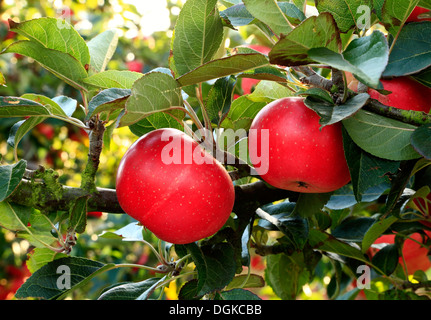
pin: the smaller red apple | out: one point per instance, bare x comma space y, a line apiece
135, 66
415, 255
406, 94
414, 16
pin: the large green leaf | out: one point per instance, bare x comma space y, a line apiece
198, 35
365, 57
375, 231
154, 92
55, 34
57, 278
347, 14
411, 52
314, 32
61, 64
382, 137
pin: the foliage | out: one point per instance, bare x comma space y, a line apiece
276, 244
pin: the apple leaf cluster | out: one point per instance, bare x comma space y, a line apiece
305, 237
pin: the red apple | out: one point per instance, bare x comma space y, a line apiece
95, 214
416, 12
297, 155
173, 187
415, 255
406, 94
135, 66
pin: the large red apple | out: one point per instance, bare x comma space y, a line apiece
415, 255
406, 94
173, 187
416, 12
297, 155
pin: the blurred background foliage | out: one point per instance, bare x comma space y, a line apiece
145, 29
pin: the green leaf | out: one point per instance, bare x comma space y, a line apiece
366, 170
375, 231
270, 13
130, 232
325, 242
55, 34
215, 265
50, 104
78, 215
421, 141
382, 137
267, 91
155, 121
223, 67
38, 233
40, 257
242, 113
292, 49
61, 64
239, 294
330, 113
130, 290
246, 281
345, 197
10, 178
67, 104
108, 100
14, 217
51, 281
219, 99
411, 52
113, 79
347, 14
154, 92
395, 14
353, 229
198, 35
102, 48
365, 57
286, 275
386, 259
11, 107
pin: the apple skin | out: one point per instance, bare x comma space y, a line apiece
406, 94
415, 13
301, 157
179, 203
415, 255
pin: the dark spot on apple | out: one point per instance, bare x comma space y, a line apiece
302, 184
